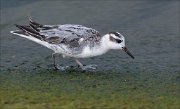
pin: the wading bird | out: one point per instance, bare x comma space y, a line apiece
69, 40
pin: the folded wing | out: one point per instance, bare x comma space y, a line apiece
68, 34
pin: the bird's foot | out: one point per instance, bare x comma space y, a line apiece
91, 66
62, 68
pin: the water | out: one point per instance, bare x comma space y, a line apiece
151, 80
151, 29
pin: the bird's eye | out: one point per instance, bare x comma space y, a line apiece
115, 40
118, 40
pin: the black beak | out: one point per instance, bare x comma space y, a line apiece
126, 50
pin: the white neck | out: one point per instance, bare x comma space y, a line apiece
98, 49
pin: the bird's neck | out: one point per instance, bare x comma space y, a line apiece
103, 43
98, 49
101, 47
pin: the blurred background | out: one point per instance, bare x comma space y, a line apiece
151, 29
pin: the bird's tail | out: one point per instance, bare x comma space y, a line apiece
31, 32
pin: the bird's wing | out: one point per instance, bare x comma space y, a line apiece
67, 34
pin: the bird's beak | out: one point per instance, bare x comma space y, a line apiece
126, 50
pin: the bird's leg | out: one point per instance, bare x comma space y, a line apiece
57, 66
53, 56
79, 63
84, 67
54, 61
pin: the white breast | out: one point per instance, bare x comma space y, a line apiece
90, 52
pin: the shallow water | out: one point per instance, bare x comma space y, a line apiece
150, 81
151, 29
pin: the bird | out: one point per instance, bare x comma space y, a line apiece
72, 40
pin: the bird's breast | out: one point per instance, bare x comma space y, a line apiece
91, 52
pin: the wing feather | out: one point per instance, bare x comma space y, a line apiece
68, 34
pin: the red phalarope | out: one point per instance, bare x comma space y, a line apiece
71, 40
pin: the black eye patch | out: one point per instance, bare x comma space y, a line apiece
118, 41
115, 40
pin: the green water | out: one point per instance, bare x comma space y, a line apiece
150, 81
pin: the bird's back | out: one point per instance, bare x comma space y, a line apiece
68, 38
70, 32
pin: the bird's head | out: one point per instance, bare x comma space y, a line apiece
115, 40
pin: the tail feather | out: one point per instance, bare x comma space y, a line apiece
35, 24
32, 38
30, 31
33, 27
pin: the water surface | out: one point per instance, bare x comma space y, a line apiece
150, 81
151, 29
